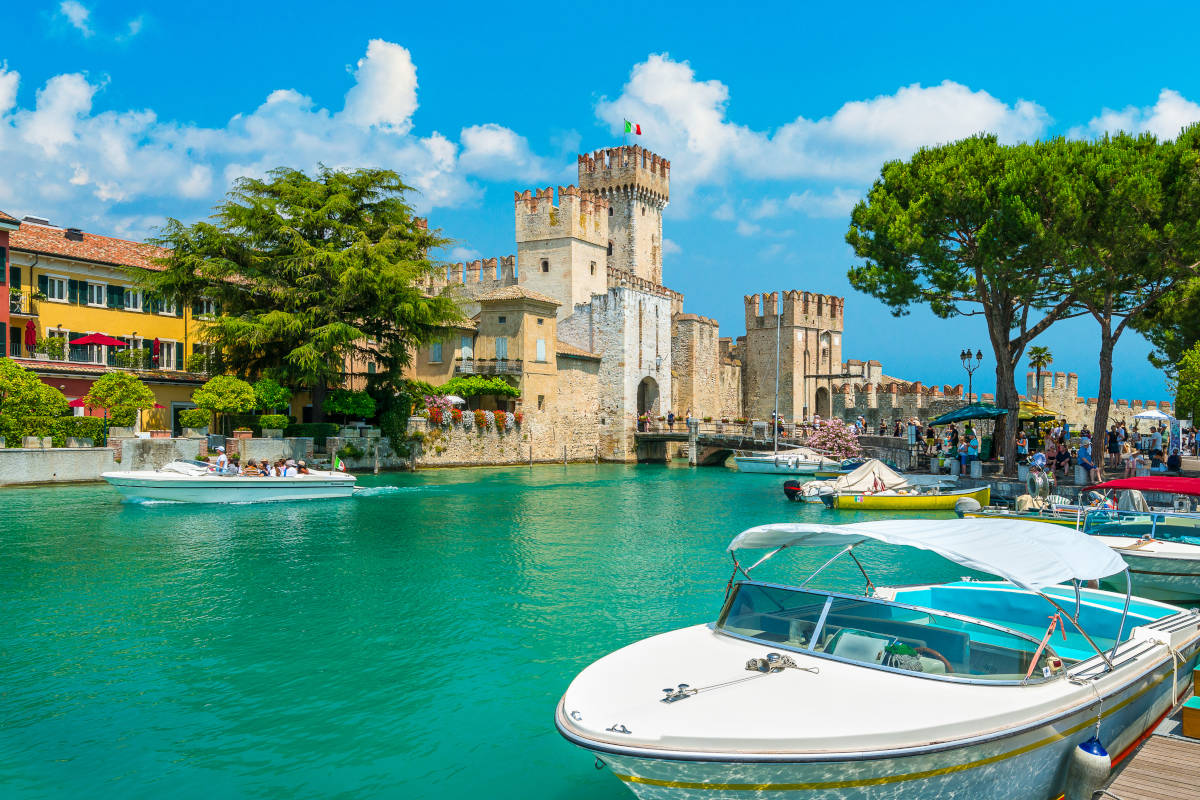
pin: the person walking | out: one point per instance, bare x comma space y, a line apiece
670, 420
1113, 446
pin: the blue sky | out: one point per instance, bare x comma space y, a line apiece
775, 117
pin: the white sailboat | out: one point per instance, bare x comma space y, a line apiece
971, 689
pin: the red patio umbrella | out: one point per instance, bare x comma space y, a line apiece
77, 403
159, 405
100, 339
30, 334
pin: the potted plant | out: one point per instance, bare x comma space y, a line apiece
194, 422
273, 425
242, 433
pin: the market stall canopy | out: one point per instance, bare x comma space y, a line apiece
1035, 412
1154, 415
101, 339
1154, 483
974, 411
1031, 555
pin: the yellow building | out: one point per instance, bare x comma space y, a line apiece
65, 284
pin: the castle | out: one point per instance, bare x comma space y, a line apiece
580, 320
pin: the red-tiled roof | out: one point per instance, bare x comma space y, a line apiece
148, 375
47, 240
571, 351
6, 218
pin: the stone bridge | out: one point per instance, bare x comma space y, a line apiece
708, 443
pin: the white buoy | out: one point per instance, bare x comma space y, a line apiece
1089, 768
966, 505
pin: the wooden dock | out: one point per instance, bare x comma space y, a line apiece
1163, 768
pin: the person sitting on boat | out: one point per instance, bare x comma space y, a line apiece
222, 459
250, 468
1087, 461
289, 469
302, 468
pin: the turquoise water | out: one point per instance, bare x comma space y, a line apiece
412, 642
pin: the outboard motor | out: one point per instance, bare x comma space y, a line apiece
794, 490
1089, 768
966, 505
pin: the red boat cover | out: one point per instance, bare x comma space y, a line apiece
1154, 483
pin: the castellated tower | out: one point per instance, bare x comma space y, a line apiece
810, 354
562, 247
637, 185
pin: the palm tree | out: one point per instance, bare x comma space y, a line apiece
1039, 359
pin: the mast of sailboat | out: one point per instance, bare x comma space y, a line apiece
778, 328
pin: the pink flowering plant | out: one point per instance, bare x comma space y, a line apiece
835, 439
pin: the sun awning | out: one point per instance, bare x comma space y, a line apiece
1154, 483
976, 411
1031, 555
1034, 412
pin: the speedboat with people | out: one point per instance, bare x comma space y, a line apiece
981, 689
199, 482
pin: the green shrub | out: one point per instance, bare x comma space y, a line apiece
277, 421
10, 430
195, 417
350, 404
80, 428
319, 431
122, 417
40, 426
350, 451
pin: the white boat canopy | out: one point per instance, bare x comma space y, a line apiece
1031, 555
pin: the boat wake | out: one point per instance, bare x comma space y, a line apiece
379, 491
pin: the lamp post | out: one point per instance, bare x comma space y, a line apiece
970, 364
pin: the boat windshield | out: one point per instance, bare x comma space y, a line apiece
883, 634
1166, 525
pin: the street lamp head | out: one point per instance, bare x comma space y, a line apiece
964, 355
979, 355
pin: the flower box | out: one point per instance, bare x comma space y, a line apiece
160, 434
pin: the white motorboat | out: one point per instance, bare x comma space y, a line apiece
972, 689
781, 463
198, 482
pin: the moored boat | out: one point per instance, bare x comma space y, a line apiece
783, 462
870, 475
937, 691
197, 482
916, 499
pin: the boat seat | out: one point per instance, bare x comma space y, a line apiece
860, 646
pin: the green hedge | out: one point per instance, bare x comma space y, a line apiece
122, 417
195, 417
319, 431
275, 421
82, 428
57, 428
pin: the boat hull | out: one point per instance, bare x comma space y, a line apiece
1031, 764
906, 502
1173, 580
229, 489
776, 466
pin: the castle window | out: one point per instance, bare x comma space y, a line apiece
643, 211
610, 247
541, 402
540, 320
540, 350
610, 211
593, 267
501, 320
545, 265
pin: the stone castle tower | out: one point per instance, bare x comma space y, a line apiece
636, 183
810, 353
562, 247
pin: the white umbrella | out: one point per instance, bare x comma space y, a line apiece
1153, 414
455, 400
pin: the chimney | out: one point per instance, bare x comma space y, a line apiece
74, 234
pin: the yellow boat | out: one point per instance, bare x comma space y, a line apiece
941, 501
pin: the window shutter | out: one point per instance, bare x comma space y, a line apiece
43, 284
14, 276
178, 308
72, 290
197, 308
3, 261
179, 357
116, 296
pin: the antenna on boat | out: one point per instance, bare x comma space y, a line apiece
778, 331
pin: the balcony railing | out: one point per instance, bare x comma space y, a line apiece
488, 366
22, 303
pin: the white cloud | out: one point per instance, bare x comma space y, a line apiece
385, 89
837, 203
745, 228
72, 162
686, 119
670, 248
78, 15
1171, 112
461, 253
133, 27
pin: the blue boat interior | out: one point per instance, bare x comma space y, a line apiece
981, 630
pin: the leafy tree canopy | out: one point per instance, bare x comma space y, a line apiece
119, 390
225, 394
311, 270
1187, 380
270, 396
350, 404
22, 394
475, 385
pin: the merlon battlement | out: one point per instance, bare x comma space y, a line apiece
696, 318
487, 273
575, 213
585, 201
799, 309
625, 168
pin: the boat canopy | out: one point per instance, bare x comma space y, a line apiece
1031, 555
870, 475
1154, 483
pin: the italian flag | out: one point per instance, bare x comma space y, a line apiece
633, 127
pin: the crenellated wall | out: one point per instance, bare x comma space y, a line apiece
1059, 392
637, 183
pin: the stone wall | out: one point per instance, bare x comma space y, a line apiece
538, 438
1060, 393
467, 281
631, 332
695, 366
150, 454
890, 402
562, 248
637, 185
54, 465
729, 390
